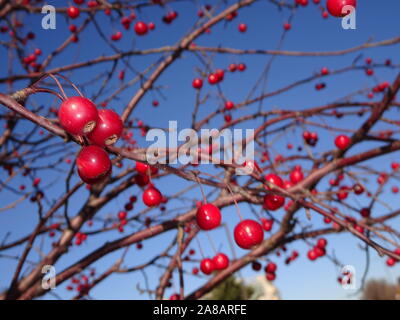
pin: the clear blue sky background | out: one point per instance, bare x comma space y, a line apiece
376, 20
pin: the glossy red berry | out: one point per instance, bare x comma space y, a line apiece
287, 26
335, 7
207, 266
208, 217
267, 224
197, 83
321, 243
248, 233
229, 105
271, 276
73, 12
241, 67
232, 67
358, 189
296, 176
324, 71
242, 27
342, 141
270, 267
140, 28
312, 255
221, 261
122, 215
274, 179
78, 115
108, 129
273, 202
175, 296
213, 78
390, 262
152, 197
145, 169
93, 164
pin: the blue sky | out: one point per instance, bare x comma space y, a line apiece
377, 20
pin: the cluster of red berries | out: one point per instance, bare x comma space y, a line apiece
141, 28
80, 117
31, 59
270, 271
122, 217
319, 249
53, 228
218, 75
170, 17
82, 283
292, 257
390, 262
219, 262
310, 138
80, 238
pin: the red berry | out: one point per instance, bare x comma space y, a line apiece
229, 105
274, 179
140, 28
207, 266
36, 182
324, 71
321, 243
390, 262
267, 224
241, 67
287, 26
213, 78
175, 296
93, 164
152, 197
365, 212
221, 261
73, 12
248, 233
232, 67
270, 267
78, 115
145, 169
195, 271
142, 180
242, 27
116, 36
151, 26
335, 7
342, 141
256, 266
296, 176
208, 217
312, 255
197, 83
122, 215
273, 202
358, 189
72, 28
108, 129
